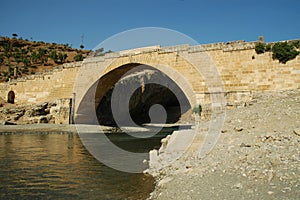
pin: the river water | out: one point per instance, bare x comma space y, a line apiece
57, 166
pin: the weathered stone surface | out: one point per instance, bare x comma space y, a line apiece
43, 120
238, 129
297, 131
38, 110
52, 112
173, 147
6, 123
245, 145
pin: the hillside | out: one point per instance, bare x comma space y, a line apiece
29, 57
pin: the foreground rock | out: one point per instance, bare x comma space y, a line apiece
256, 157
6, 123
55, 112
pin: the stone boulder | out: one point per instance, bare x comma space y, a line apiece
2, 122
38, 110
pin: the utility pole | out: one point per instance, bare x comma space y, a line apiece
82, 46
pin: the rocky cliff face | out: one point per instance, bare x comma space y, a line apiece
56, 112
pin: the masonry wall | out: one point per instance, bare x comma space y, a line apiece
244, 72
43, 87
241, 69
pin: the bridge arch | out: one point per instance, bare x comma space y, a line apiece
106, 74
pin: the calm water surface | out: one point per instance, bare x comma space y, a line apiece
57, 166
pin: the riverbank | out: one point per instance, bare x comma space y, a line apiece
84, 128
37, 128
256, 157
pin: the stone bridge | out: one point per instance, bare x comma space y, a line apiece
204, 74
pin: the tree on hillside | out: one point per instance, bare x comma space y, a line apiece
41, 55
62, 57
7, 49
1, 58
78, 57
26, 61
53, 55
24, 52
33, 57
42, 52
18, 57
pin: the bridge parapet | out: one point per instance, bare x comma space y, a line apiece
228, 46
238, 45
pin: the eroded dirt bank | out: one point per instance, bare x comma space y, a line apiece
257, 156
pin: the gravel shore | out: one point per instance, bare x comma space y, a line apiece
257, 156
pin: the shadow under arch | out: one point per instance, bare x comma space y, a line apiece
95, 108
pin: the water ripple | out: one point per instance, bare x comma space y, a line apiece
57, 166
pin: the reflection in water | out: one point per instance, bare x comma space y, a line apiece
39, 166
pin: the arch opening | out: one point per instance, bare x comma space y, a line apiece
11, 97
155, 87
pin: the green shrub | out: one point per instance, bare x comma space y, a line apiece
78, 57
26, 61
296, 44
260, 48
5, 73
10, 69
1, 59
53, 55
41, 52
62, 57
197, 110
268, 48
284, 52
33, 57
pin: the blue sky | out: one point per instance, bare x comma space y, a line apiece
209, 21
